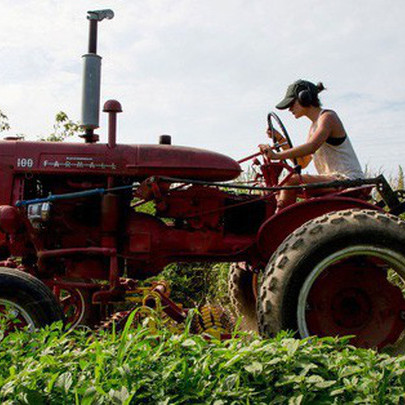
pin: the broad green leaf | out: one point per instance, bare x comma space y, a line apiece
296, 400
189, 343
255, 367
64, 381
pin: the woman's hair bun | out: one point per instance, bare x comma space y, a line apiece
320, 87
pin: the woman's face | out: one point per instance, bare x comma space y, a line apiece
296, 109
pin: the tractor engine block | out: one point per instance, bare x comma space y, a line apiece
196, 207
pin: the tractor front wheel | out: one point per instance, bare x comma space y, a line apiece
25, 302
339, 274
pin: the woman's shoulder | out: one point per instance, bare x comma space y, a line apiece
327, 112
330, 119
327, 115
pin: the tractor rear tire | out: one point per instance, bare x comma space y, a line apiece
242, 286
329, 278
29, 300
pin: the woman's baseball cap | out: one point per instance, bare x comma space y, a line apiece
293, 90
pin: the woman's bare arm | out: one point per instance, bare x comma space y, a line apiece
316, 139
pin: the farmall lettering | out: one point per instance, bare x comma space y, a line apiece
76, 162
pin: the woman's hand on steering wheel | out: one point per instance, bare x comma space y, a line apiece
268, 151
274, 135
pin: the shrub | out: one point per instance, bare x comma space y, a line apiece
153, 366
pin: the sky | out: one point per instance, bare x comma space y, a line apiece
208, 72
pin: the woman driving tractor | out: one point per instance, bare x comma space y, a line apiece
327, 142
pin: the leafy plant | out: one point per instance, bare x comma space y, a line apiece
4, 124
154, 366
63, 128
198, 283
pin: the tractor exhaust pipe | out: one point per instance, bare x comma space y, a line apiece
92, 78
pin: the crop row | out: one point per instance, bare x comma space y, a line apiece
151, 365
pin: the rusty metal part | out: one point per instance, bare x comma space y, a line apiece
212, 321
351, 301
112, 107
159, 296
91, 251
10, 219
117, 320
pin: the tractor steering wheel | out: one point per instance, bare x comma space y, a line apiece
270, 118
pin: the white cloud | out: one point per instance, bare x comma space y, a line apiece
208, 71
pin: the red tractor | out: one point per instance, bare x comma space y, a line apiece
75, 241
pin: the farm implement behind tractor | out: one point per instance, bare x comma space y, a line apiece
76, 244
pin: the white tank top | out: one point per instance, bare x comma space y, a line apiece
338, 159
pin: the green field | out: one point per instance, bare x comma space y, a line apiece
153, 366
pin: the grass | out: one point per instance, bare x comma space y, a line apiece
153, 366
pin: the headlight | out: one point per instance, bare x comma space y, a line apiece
39, 213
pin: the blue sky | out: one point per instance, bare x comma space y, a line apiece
207, 72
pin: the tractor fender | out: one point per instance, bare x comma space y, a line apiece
279, 226
10, 219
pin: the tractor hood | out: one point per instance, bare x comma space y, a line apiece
137, 161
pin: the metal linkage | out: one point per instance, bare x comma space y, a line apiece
330, 184
155, 297
68, 196
116, 320
389, 196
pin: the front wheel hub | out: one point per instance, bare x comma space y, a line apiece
351, 308
352, 296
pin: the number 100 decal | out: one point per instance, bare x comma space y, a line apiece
25, 162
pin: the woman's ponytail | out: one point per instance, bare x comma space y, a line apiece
320, 87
